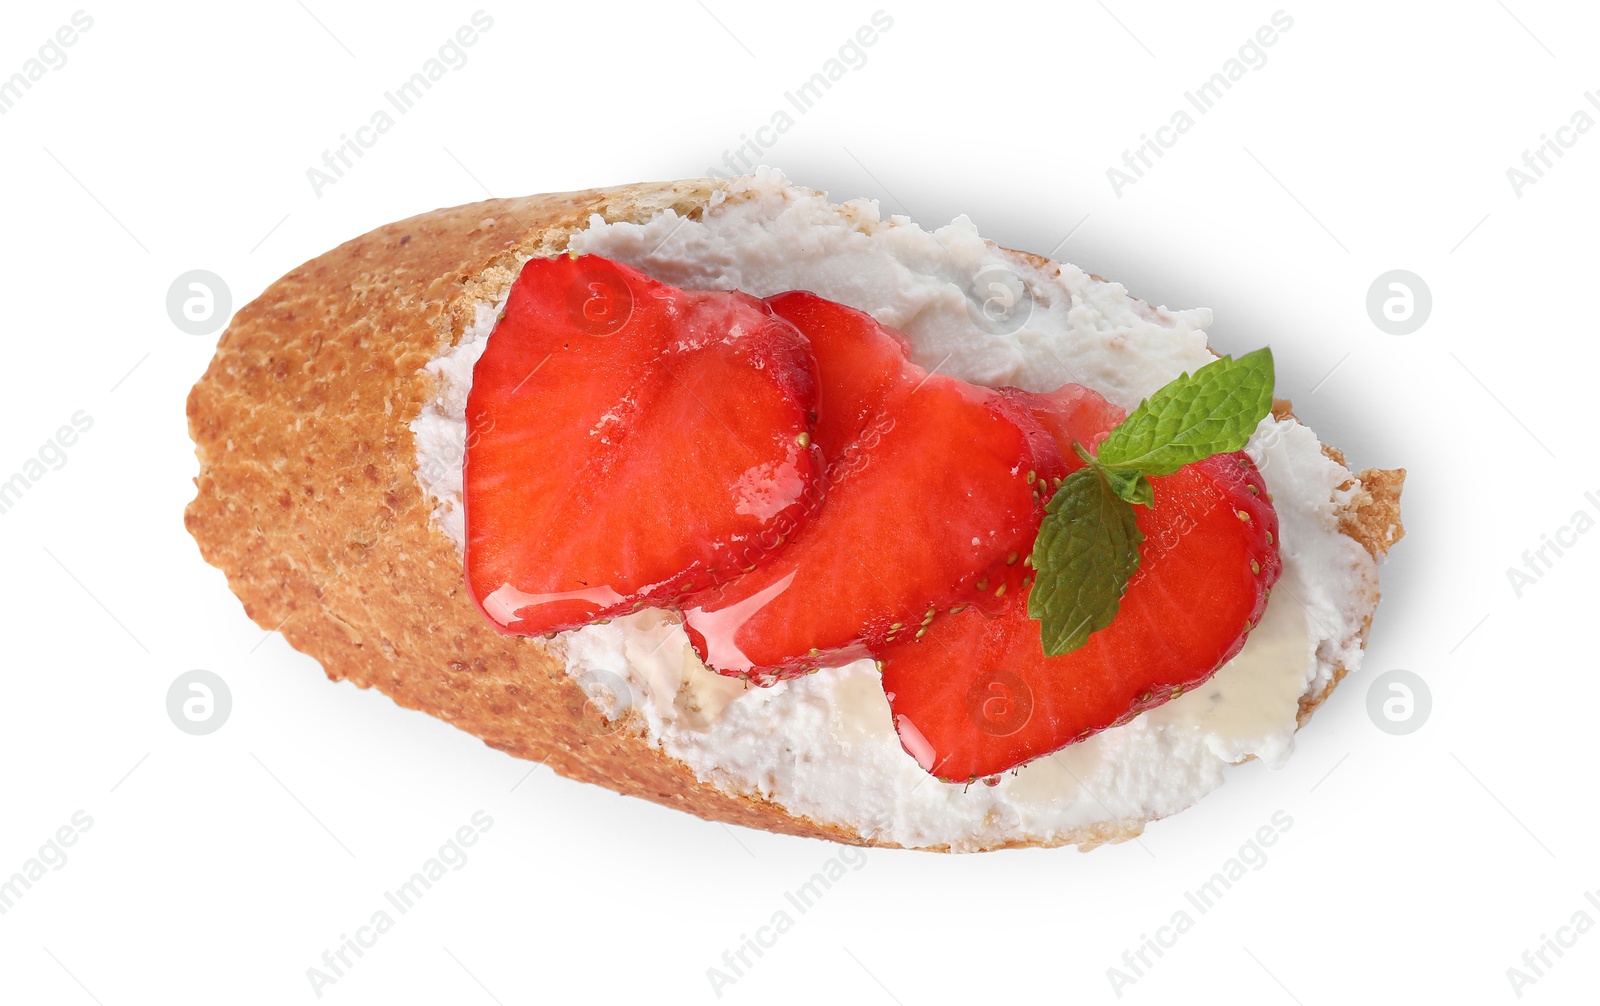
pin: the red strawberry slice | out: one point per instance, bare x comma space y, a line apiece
1071, 414
858, 362
933, 496
978, 696
630, 442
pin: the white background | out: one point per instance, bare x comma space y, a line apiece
1377, 136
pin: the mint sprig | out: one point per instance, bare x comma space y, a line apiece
1088, 544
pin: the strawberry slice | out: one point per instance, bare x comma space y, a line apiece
978, 696
858, 362
933, 495
1071, 414
630, 442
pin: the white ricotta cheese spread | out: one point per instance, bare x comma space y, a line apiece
823, 746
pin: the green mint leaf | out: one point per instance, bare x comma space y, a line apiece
1212, 411
1131, 486
1088, 547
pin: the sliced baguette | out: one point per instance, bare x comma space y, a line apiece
309, 503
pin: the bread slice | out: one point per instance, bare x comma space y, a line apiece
308, 499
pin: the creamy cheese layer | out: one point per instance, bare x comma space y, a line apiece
823, 746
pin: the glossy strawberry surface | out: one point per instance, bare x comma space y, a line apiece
629, 442
933, 494
977, 695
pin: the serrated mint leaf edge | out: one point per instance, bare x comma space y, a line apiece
1218, 431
